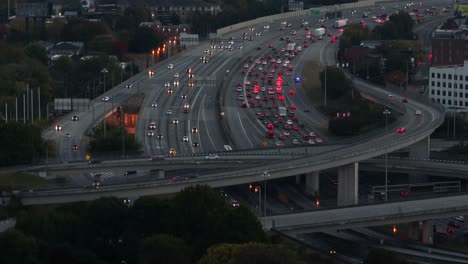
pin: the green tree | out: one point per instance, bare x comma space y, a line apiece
36, 52
112, 142
164, 249
337, 83
399, 26
151, 215
143, 39
353, 36
251, 253
20, 143
15, 247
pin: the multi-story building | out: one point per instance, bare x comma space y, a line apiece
449, 47
448, 85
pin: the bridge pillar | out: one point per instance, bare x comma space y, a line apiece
427, 232
348, 184
298, 179
413, 231
312, 183
420, 150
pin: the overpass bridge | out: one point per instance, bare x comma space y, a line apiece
370, 215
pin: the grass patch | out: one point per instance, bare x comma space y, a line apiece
20, 181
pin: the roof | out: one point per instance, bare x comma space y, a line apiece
68, 46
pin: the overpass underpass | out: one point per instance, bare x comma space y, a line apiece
371, 215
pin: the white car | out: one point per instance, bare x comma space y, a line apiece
105, 98
296, 142
266, 26
170, 66
175, 121
169, 112
418, 112
176, 75
460, 218
212, 157
185, 139
154, 104
150, 133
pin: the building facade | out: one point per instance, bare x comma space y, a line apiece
448, 85
449, 47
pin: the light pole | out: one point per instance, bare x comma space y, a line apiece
104, 71
259, 191
325, 96
265, 176
386, 112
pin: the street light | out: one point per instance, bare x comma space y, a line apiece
259, 191
265, 175
386, 112
104, 71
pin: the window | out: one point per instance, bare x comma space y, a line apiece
438, 84
443, 101
450, 76
454, 93
455, 77
455, 85
444, 84
461, 77
433, 83
444, 76
449, 102
466, 78
466, 95
466, 86
438, 92
438, 75
461, 95
432, 92
449, 93
455, 102
460, 103
449, 85
438, 100
433, 75
443, 93
466, 103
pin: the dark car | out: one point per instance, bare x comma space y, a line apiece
94, 161
455, 224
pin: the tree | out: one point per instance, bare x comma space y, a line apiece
65, 253
337, 83
20, 143
250, 253
112, 142
151, 215
143, 39
15, 247
164, 249
353, 36
36, 52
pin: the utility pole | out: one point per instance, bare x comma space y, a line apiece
39, 102
24, 109
16, 109
32, 106
325, 97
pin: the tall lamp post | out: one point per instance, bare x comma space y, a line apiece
265, 175
386, 112
104, 71
259, 191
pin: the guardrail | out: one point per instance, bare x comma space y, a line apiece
287, 15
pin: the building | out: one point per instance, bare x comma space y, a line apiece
448, 85
449, 47
66, 48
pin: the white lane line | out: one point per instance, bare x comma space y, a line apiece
243, 130
190, 137
206, 126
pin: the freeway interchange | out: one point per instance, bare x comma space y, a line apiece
210, 87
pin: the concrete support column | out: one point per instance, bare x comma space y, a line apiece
298, 179
312, 183
427, 232
420, 150
348, 176
413, 231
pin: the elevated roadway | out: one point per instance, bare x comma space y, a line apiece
368, 215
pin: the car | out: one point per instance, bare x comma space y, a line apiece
418, 112
176, 75
450, 230
175, 121
460, 218
94, 161
246, 65
152, 125
170, 66
312, 134
289, 122
194, 130
169, 112
159, 157
296, 142
172, 152
455, 224
75, 148
318, 140
75, 118
68, 135
151, 73
160, 136
212, 157
195, 144
150, 133
286, 133
390, 96
154, 104
295, 128
401, 130
105, 98
307, 110
185, 139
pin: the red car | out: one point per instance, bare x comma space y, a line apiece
404, 100
401, 130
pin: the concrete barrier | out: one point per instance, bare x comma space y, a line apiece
286, 15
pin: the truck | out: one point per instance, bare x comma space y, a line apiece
320, 31
341, 23
299, 48
282, 111
291, 46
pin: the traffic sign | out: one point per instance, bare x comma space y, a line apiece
87, 157
315, 12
